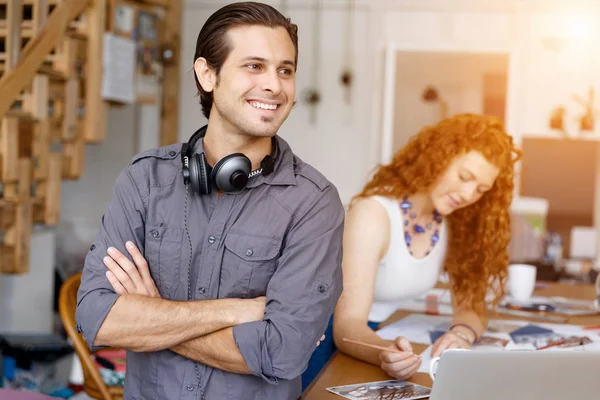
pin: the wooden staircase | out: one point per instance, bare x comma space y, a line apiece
50, 107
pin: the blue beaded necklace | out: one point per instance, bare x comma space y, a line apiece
409, 216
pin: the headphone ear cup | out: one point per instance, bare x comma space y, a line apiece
230, 174
205, 185
199, 174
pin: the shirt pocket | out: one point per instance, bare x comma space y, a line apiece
249, 262
163, 250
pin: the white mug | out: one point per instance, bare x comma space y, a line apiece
521, 281
435, 360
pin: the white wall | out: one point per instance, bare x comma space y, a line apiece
458, 78
338, 144
27, 301
83, 201
563, 61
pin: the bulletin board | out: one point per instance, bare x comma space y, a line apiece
140, 23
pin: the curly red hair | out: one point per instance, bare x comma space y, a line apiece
479, 234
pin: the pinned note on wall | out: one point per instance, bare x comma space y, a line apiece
583, 242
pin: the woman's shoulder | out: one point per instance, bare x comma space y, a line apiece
385, 201
370, 204
370, 210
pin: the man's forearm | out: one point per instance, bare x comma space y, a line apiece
217, 350
140, 323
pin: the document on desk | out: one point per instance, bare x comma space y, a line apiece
424, 329
415, 327
418, 328
392, 389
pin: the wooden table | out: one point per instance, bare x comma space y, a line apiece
345, 370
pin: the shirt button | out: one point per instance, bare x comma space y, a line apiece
202, 290
92, 247
190, 388
154, 233
249, 252
172, 153
321, 288
211, 239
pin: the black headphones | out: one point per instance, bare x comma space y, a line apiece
231, 174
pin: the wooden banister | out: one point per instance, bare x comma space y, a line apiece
33, 55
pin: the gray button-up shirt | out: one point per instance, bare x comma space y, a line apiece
281, 237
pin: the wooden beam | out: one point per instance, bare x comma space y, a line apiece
40, 149
36, 101
20, 190
66, 62
15, 247
158, 3
7, 214
36, 50
40, 14
170, 85
71, 102
73, 151
14, 14
9, 148
47, 204
95, 107
18, 236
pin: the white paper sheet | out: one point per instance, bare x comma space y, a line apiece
118, 69
414, 327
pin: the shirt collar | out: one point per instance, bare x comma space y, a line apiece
283, 173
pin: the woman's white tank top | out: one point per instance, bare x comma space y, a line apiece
401, 276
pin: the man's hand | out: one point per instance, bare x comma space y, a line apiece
400, 362
127, 277
320, 340
449, 340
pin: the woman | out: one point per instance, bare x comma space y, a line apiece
441, 204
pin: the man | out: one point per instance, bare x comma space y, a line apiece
218, 264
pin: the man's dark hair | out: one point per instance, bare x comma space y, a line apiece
214, 46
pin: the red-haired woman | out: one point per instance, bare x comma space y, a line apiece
442, 204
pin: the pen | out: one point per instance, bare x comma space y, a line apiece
591, 327
373, 346
553, 344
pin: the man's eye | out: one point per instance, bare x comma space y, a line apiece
253, 66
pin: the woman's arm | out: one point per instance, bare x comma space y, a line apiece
467, 326
366, 240
464, 314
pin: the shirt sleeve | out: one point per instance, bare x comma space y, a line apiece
123, 220
301, 295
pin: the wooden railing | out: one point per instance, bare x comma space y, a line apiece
51, 106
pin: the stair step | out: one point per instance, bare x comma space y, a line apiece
44, 69
23, 115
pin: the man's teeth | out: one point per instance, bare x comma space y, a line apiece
264, 106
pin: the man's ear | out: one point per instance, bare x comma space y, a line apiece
205, 74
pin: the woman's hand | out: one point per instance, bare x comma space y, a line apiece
450, 340
400, 362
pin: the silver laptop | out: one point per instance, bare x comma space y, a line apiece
531, 375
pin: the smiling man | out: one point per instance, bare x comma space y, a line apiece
218, 261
